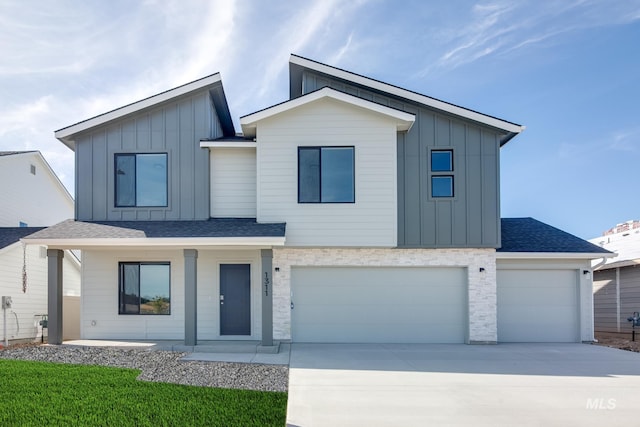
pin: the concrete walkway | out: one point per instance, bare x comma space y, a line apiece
206, 351
461, 385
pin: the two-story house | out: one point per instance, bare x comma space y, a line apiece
355, 211
32, 197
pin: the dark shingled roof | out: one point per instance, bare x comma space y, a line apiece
10, 235
530, 235
214, 227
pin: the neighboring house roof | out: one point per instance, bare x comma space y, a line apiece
213, 82
11, 235
619, 264
530, 235
12, 153
404, 120
298, 63
242, 231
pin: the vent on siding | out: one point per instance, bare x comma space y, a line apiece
33, 169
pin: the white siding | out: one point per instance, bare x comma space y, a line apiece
100, 318
37, 200
372, 219
233, 182
21, 318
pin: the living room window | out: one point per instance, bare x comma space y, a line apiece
145, 288
326, 175
141, 180
442, 178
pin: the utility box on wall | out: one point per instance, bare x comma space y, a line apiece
6, 302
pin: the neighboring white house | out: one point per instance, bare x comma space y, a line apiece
32, 197
616, 283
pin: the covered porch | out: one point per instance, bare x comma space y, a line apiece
188, 303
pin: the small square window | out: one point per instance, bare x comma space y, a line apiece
442, 161
442, 186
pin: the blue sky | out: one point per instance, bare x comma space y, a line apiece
567, 70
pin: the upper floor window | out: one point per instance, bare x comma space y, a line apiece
326, 175
145, 288
442, 178
141, 180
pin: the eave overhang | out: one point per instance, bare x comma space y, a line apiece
66, 135
510, 129
159, 243
249, 123
553, 255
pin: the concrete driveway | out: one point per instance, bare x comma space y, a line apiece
455, 385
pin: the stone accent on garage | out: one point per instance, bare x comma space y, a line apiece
481, 284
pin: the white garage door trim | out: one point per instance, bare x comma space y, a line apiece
538, 305
379, 304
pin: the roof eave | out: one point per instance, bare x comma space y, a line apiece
404, 120
66, 135
509, 127
157, 242
548, 255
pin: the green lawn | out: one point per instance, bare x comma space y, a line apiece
39, 394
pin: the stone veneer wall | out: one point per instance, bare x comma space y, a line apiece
481, 285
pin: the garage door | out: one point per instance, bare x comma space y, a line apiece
538, 306
378, 305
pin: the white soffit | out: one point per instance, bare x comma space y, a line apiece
552, 255
407, 94
404, 121
157, 242
65, 134
228, 144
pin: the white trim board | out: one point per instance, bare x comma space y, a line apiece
551, 255
404, 120
158, 243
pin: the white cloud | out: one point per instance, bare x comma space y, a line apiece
502, 27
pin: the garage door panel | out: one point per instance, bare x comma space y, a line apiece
347, 304
537, 306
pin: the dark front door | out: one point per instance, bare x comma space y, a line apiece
235, 299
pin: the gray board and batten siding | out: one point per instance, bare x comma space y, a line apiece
174, 127
469, 219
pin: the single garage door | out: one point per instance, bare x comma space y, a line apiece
378, 305
538, 306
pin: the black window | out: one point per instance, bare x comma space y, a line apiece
145, 288
141, 180
442, 178
326, 175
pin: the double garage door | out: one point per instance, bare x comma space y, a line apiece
379, 305
427, 305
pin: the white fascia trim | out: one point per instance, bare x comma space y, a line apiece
403, 93
551, 255
228, 144
249, 122
166, 242
65, 134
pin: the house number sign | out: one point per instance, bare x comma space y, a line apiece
266, 282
